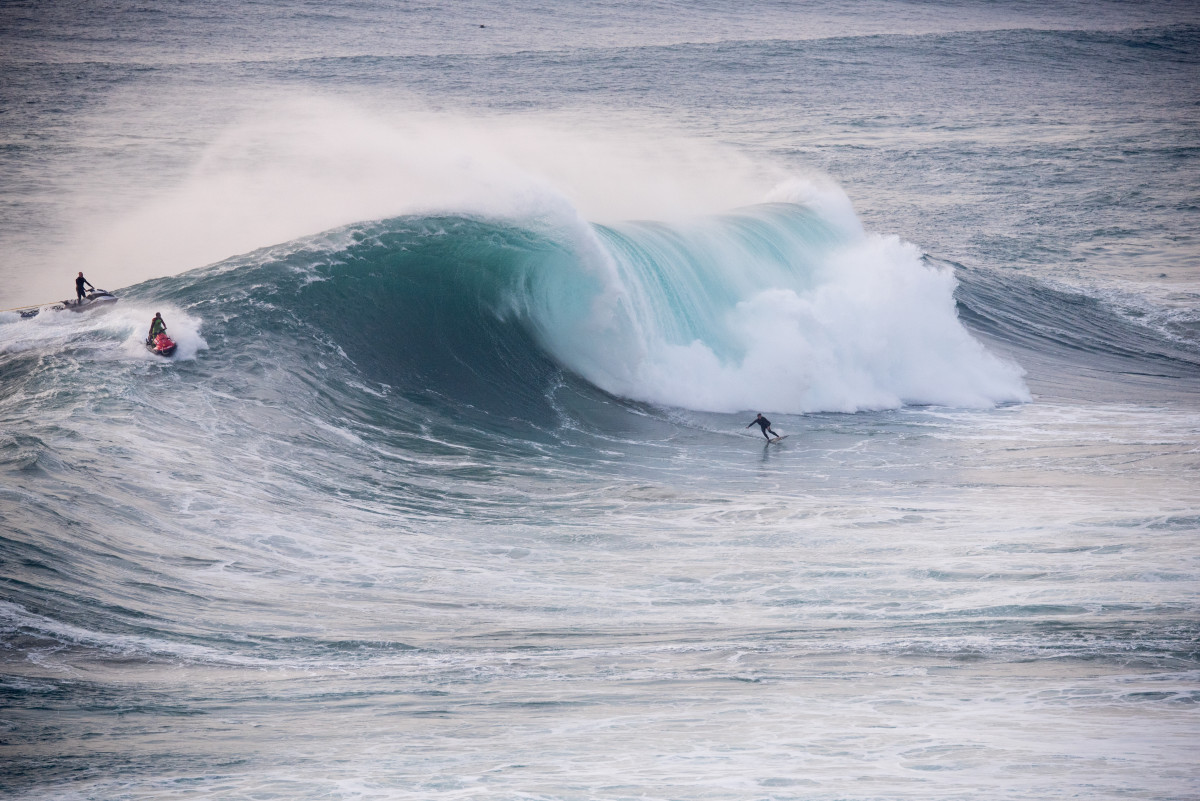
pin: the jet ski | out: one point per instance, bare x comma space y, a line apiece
162, 344
89, 301
97, 297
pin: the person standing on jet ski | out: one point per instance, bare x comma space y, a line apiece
157, 326
79, 293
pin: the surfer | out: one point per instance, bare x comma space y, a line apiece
79, 293
765, 424
157, 326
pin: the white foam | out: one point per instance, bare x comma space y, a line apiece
874, 328
14, 617
55, 330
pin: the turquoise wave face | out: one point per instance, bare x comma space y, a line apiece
435, 304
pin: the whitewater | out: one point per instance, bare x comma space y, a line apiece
451, 490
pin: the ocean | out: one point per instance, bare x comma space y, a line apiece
452, 489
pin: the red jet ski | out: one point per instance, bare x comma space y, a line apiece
162, 344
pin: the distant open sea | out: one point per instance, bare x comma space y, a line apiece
452, 491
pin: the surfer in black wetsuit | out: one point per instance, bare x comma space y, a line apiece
766, 425
79, 293
157, 326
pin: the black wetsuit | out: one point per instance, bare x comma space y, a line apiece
79, 293
766, 426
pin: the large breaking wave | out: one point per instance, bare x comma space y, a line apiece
783, 306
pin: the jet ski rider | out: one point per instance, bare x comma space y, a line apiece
157, 326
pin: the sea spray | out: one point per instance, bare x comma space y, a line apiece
292, 164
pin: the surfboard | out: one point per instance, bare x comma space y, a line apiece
777, 439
